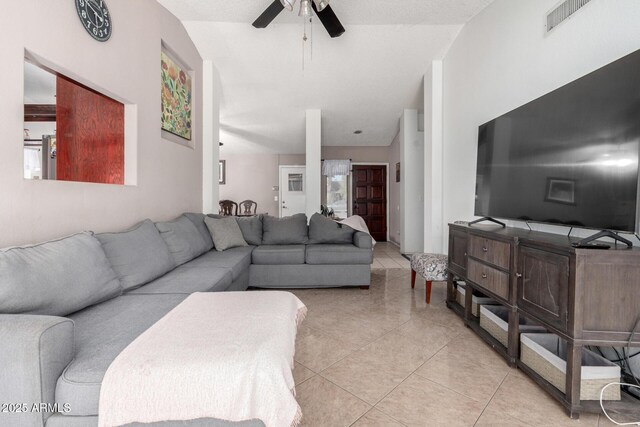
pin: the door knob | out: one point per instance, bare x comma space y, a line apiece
519, 275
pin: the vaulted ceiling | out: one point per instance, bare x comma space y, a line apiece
361, 80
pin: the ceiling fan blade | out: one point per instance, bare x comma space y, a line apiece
269, 14
329, 20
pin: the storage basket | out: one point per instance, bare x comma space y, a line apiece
547, 355
477, 301
495, 320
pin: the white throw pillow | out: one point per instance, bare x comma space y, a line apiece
225, 232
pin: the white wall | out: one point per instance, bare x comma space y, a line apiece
433, 92
251, 176
313, 157
502, 60
411, 183
211, 90
169, 176
394, 191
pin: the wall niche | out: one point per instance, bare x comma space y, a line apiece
71, 132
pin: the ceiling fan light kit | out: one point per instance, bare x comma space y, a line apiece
321, 4
305, 9
288, 4
322, 9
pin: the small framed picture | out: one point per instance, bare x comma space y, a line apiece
398, 172
561, 191
222, 172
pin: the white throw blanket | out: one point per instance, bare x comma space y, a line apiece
357, 223
225, 355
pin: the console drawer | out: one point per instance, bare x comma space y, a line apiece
491, 279
492, 251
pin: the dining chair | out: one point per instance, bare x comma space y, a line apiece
228, 208
248, 208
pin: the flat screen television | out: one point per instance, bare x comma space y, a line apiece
569, 157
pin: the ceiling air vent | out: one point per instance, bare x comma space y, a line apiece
563, 11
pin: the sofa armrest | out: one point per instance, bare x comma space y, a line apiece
34, 351
362, 240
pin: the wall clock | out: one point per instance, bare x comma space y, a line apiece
95, 18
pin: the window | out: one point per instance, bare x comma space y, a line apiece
71, 132
338, 195
295, 182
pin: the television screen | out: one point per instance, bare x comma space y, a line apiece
569, 157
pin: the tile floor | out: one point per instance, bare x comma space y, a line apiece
382, 357
387, 255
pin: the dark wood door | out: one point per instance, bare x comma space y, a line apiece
543, 287
370, 198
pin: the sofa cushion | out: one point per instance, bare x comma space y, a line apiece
189, 280
101, 333
278, 254
225, 232
325, 230
57, 277
251, 228
290, 230
363, 240
198, 221
237, 259
338, 254
182, 238
138, 255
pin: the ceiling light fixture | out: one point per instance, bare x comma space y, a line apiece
321, 4
288, 4
305, 9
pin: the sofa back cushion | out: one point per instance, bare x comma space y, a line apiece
138, 255
182, 238
290, 230
251, 228
198, 221
56, 278
325, 230
225, 232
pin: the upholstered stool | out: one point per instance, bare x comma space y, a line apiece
432, 267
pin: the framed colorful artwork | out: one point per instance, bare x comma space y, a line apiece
176, 97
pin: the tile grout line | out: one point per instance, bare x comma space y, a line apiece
395, 329
460, 393
402, 382
489, 402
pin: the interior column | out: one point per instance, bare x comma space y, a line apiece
314, 161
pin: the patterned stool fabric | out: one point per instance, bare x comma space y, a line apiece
433, 267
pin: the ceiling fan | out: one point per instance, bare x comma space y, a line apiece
321, 7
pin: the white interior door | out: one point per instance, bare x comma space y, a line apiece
292, 190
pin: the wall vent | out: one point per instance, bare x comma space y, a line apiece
563, 11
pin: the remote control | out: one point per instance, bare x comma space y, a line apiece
590, 245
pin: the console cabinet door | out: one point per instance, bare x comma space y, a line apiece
543, 285
458, 252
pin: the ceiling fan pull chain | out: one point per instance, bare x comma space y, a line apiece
311, 25
304, 41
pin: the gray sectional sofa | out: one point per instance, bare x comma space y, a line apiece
69, 307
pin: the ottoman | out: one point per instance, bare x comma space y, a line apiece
432, 267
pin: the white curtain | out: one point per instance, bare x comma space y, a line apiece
336, 167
